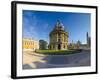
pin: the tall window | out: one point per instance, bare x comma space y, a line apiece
59, 40
58, 35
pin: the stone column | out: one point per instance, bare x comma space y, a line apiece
56, 47
56, 37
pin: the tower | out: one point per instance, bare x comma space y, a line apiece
58, 37
87, 37
88, 40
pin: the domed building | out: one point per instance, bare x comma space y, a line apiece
58, 38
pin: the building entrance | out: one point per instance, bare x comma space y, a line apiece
59, 46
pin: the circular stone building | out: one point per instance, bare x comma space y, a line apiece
58, 38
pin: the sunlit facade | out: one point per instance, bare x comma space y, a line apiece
58, 38
30, 44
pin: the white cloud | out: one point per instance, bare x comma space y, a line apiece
30, 33
46, 25
29, 27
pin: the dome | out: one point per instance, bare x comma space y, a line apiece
59, 25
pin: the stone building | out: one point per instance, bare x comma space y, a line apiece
30, 44
79, 45
58, 38
43, 45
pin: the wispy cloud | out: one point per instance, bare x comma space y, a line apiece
46, 25
29, 25
30, 33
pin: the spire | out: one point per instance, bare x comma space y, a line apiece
87, 34
87, 37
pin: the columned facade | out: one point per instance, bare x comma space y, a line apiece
58, 38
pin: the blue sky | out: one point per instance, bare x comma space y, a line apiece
38, 24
